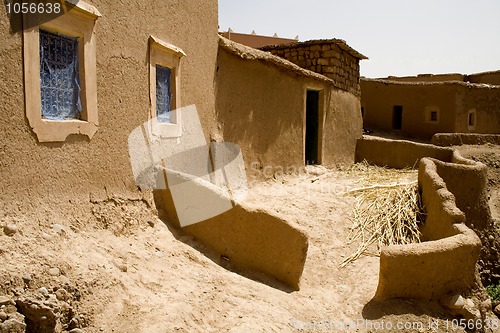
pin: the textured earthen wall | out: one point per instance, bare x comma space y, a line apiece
454, 100
247, 238
328, 59
485, 100
261, 107
428, 78
378, 99
458, 139
397, 153
342, 128
467, 180
255, 40
61, 178
486, 77
445, 262
439, 202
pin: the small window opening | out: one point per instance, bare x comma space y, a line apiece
434, 116
471, 119
59, 77
163, 94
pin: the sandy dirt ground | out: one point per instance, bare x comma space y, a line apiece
152, 278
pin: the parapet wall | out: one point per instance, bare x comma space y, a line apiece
492, 77
331, 58
445, 262
397, 153
428, 78
467, 180
458, 139
464, 178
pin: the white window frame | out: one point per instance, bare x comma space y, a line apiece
169, 56
78, 21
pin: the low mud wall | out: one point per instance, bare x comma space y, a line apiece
458, 139
246, 239
467, 180
397, 153
445, 261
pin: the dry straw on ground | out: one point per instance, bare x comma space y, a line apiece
387, 209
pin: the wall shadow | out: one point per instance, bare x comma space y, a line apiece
251, 243
377, 309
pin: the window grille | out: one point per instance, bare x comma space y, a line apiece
163, 95
59, 77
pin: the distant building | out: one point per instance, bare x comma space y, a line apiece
420, 106
256, 41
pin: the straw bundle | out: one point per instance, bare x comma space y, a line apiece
384, 213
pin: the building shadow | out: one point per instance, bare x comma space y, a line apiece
378, 309
224, 260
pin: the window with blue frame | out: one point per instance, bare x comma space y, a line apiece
163, 94
59, 77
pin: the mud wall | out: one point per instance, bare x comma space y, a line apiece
428, 78
458, 139
445, 262
332, 58
486, 77
464, 178
453, 101
243, 238
397, 153
484, 101
378, 99
256, 40
61, 179
261, 106
467, 180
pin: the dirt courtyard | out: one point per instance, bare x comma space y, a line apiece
129, 272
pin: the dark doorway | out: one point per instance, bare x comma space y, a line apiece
397, 117
312, 121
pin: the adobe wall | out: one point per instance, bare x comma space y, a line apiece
249, 239
467, 180
261, 107
454, 99
61, 179
464, 178
428, 78
485, 100
492, 77
333, 59
255, 41
445, 261
342, 128
397, 153
378, 99
458, 139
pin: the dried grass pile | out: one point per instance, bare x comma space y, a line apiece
387, 209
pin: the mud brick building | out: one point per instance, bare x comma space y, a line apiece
332, 58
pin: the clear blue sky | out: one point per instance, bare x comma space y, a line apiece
401, 37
